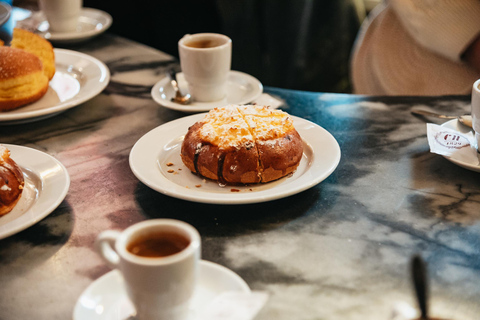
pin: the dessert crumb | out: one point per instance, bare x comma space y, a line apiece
169, 164
171, 171
234, 190
198, 185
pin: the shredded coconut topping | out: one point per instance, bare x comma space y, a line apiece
237, 126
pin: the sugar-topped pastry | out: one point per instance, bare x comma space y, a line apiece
26, 67
11, 182
243, 145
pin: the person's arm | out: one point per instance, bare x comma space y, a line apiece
472, 54
446, 27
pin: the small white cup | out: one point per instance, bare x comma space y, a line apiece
206, 59
476, 112
62, 15
159, 287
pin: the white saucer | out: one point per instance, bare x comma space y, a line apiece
78, 78
46, 185
151, 153
241, 89
455, 125
106, 298
91, 23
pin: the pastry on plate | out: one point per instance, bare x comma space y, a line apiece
22, 79
26, 67
11, 182
243, 145
37, 45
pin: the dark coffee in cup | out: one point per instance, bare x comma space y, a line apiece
157, 245
205, 43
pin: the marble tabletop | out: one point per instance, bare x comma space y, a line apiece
339, 250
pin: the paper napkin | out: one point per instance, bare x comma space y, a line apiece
453, 144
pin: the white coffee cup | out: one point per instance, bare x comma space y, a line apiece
205, 59
476, 111
160, 287
62, 15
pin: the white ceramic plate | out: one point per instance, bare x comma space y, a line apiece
455, 125
5, 10
91, 23
152, 152
46, 185
78, 78
106, 298
241, 89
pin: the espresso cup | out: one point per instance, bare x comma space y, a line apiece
205, 59
476, 112
62, 15
159, 263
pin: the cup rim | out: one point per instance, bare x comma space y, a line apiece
187, 37
475, 86
122, 241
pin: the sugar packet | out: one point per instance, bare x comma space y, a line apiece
451, 143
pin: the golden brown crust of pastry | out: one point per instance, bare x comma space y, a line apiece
37, 45
11, 182
22, 79
243, 145
280, 157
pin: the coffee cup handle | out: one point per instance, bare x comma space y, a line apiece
105, 244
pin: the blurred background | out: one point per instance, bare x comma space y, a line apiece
293, 44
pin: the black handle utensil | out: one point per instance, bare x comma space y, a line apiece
420, 283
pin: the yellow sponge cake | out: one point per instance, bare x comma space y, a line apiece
22, 79
33, 43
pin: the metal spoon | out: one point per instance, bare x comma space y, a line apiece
178, 98
420, 283
465, 119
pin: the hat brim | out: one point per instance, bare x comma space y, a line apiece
388, 61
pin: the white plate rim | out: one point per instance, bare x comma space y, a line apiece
455, 125
44, 205
69, 36
6, 13
195, 107
314, 135
242, 286
104, 78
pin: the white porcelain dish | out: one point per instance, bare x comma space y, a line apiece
5, 11
106, 297
241, 89
91, 23
46, 185
78, 78
456, 125
152, 152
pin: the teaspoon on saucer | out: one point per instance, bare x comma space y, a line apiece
179, 97
465, 119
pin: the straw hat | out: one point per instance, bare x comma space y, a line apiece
387, 61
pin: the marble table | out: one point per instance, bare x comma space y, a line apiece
339, 250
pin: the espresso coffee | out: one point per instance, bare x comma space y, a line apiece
205, 43
158, 245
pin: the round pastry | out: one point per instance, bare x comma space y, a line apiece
37, 45
243, 145
22, 79
11, 182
